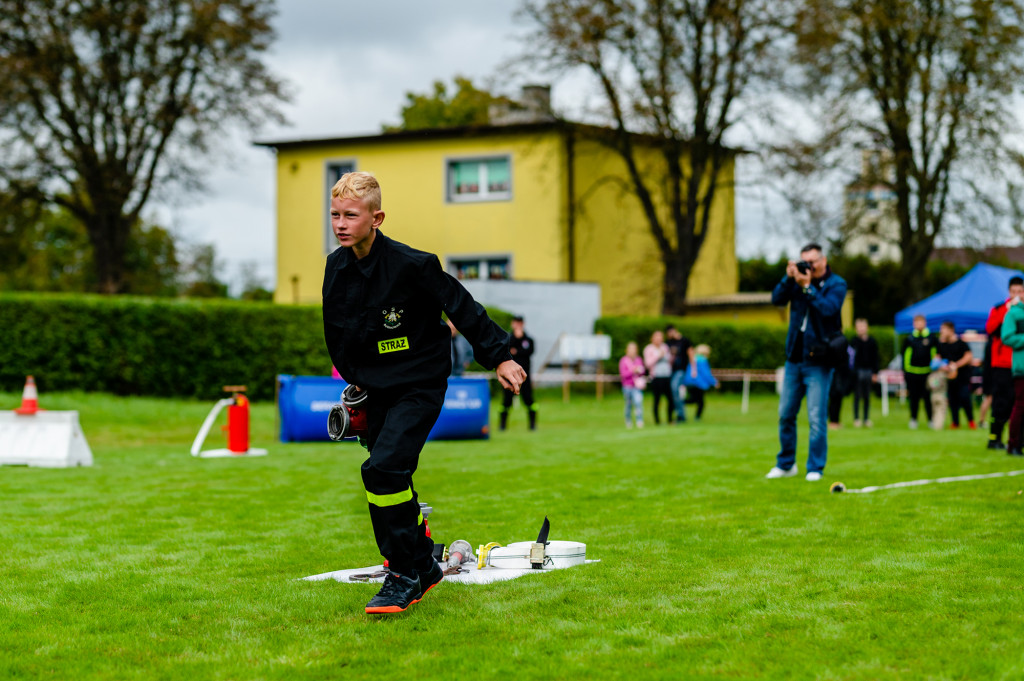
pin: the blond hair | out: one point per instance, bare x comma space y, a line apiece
703, 350
358, 185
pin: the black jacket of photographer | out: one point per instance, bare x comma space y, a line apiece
821, 303
382, 317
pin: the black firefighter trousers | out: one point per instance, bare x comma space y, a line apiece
398, 421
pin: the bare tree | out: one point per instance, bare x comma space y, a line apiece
103, 101
931, 82
676, 72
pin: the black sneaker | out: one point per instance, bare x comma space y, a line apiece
397, 594
429, 579
996, 444
1015, 451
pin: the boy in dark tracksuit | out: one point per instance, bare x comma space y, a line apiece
918, 352
521, 347
382, 305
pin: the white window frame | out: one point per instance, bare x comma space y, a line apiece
482, 259
484, 194
330, 243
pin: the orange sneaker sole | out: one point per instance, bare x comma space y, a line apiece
386, 610
428, 589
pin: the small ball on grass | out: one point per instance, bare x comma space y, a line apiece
837, 487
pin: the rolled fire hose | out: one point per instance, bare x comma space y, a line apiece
536, 555
521, 555
348, 418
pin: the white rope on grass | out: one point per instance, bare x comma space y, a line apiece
839, 487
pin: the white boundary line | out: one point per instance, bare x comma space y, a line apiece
916, 483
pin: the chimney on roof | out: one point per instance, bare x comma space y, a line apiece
534, 106
537, 99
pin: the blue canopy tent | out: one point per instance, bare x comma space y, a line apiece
966, 302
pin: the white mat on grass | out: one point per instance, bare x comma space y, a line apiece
474, 576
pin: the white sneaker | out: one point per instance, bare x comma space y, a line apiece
777, 472
813, 476
868, 424
913, 424
856, 423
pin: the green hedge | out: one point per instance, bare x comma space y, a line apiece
139, 346
158, 346
733, 345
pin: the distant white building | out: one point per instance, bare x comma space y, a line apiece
870, 226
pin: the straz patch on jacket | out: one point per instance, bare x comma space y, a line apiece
393, 345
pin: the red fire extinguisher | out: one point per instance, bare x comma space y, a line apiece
238, 420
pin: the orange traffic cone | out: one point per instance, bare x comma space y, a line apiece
29, 397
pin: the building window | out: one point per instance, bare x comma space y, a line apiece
485, 267
333, 170
480, 179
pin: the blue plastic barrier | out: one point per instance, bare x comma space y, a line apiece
466, 414
304, 402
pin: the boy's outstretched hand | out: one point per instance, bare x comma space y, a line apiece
510, 375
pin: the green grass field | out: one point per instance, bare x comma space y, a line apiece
155, 565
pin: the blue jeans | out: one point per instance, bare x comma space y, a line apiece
677, 383
813, 381
634, 403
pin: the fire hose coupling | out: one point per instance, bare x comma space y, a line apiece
348, 418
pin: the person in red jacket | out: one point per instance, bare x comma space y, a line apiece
1000, 377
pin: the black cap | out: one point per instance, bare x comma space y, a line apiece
517, 318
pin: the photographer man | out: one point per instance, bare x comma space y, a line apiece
815, 295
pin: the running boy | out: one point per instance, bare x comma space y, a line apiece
382, 305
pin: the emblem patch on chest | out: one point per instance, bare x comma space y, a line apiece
392, 318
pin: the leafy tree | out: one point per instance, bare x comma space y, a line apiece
42, 249
931, 83
676, 70
103, 102
468, 105
152, 263
200, 274
252, 284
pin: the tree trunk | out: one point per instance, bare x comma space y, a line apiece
677, 280
108, 234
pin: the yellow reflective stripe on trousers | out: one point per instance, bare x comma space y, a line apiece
389, 499
419, 521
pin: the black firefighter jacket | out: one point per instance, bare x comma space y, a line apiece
382, 317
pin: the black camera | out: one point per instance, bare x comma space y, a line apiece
804, 267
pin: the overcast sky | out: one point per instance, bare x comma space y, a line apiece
349, 66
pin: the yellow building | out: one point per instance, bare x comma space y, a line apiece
542, 201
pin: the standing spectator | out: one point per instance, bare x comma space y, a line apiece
918, 352
462, 351
865, 367
632, 373
841, 386
520, 346
658, 360
986, 395
1012, 334
699, 379
938, 387
999, 372
815, 295
958, 390
682, 357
